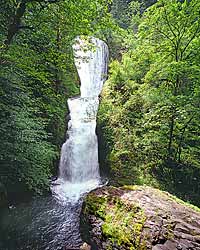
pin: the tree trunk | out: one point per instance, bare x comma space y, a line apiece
15, 23
171, 134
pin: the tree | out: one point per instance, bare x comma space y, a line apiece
150, 107
175, 28
37, 75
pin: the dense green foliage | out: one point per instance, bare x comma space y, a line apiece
149, 114
37, 76
150, 104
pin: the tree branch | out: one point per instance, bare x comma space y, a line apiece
168, 23
164, 34
26, 27
182, 137
190, 40
15, 24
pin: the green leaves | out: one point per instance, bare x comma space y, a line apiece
37, 75
150, 107
172, 24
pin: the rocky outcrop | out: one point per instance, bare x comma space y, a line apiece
140, 218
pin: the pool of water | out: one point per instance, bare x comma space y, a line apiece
41, 224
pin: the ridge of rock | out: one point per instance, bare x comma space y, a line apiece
140, 218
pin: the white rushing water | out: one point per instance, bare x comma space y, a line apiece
79, 167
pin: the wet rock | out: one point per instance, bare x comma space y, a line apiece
160, 247
85, 246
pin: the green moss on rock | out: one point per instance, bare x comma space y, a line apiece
122, 223
140, 218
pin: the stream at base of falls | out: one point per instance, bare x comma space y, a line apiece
41, 224
44, 223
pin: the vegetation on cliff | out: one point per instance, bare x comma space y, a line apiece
148, 119
149, 112
37, 75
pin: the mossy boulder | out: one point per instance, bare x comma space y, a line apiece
140, 218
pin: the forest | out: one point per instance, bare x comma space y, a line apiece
149, 112
37, 76
148, 122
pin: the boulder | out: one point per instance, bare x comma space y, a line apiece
141, 218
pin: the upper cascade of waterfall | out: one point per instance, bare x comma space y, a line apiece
91, 58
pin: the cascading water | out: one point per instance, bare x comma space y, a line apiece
79, 167
50, 223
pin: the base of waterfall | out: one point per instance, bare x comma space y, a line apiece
43, 223
65, 191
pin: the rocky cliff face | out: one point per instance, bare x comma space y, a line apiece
139, 218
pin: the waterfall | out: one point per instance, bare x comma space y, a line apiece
79, 167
